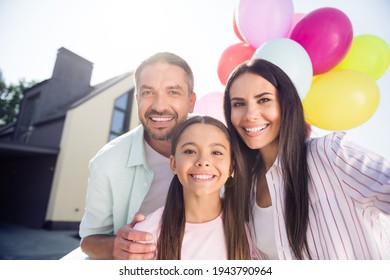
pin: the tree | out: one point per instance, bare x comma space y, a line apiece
10, 97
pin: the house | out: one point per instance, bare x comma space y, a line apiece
44, 155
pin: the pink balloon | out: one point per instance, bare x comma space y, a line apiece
261, 20
211, 104
296, 18
326, 34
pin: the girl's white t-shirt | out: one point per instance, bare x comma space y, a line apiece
203, 241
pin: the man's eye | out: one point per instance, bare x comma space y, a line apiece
146, 92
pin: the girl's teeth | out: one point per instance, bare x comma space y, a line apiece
203, 177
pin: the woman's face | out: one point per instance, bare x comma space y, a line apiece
255, 111
202, 160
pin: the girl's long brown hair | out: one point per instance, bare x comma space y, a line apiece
172, 225
292, 153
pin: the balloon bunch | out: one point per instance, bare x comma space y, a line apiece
334, 71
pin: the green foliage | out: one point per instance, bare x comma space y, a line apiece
10, 98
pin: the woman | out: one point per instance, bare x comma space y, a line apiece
323, 198
195, 222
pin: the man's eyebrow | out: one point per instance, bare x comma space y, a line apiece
175, 87
146, 87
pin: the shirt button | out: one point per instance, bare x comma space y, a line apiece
145, 185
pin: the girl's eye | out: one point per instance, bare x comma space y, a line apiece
218, 153
188, 152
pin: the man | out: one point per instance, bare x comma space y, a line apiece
131, 173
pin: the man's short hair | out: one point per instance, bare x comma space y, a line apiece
169, 58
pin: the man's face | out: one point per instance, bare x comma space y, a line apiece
163, 99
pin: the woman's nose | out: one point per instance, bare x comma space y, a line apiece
252, 113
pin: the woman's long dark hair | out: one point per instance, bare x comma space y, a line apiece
291, 153
173, 217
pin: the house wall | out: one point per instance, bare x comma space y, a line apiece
86, 130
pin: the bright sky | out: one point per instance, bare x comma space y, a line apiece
116, 35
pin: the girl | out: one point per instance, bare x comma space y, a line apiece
195, 222
323, 198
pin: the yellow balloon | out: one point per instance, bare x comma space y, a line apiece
368, 54
341, 100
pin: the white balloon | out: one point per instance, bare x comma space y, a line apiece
292, 58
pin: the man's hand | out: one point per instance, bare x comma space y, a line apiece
131, 244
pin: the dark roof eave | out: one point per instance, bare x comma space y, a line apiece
21, 148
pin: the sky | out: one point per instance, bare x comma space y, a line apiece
116, 35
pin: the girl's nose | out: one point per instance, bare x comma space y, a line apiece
202, 161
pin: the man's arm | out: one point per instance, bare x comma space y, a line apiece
123, 246
99, 246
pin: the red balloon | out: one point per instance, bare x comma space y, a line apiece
326, 34
235, 28
231, 57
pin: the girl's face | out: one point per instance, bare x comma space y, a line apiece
255, 111
202, 160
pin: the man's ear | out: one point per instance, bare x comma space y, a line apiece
192, 102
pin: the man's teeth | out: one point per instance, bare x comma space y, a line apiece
203, 177
255, 129
161, 119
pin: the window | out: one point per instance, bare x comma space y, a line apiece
27, 117
121, 115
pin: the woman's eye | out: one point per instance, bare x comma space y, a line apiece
262, 100
238, 104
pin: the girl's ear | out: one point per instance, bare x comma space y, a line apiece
232, 165
172, 163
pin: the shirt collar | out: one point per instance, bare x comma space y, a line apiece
137, 149
277, 162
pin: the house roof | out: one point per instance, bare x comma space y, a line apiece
95, 91
101, 87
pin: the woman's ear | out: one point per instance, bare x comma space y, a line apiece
172, 163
